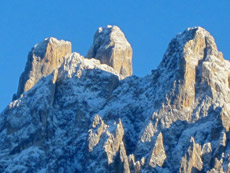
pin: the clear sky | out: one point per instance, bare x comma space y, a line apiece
149, 25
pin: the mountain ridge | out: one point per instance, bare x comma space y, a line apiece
87, 117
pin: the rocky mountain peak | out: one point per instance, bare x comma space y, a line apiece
191, 68
191, 45
43, 58
83, 118
112, 48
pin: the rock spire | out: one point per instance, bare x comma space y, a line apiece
81, 118
42, 60
112, 48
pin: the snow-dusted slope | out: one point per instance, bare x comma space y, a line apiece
84, 117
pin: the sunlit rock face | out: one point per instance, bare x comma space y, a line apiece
112, 48
85, 116
43, 59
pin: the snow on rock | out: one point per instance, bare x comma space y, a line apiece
192, 160
112, 48
42, 60
84, 116
158, 154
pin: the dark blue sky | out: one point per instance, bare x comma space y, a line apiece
149, 25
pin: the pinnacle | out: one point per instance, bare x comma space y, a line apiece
175, 120
43, 59
112, 48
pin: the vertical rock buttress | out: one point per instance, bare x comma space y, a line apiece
42, 60
111, 47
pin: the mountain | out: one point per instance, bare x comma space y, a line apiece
111, 47
91, 115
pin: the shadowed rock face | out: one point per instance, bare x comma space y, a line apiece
42, 60
85, 117
112, 48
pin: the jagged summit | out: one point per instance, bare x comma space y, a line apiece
112, 48
191, 67
82, 118
40, 48
193, 44
43, 59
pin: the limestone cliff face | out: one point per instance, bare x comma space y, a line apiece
200, 48
42, 60
85, 117
192, 67
112, 48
